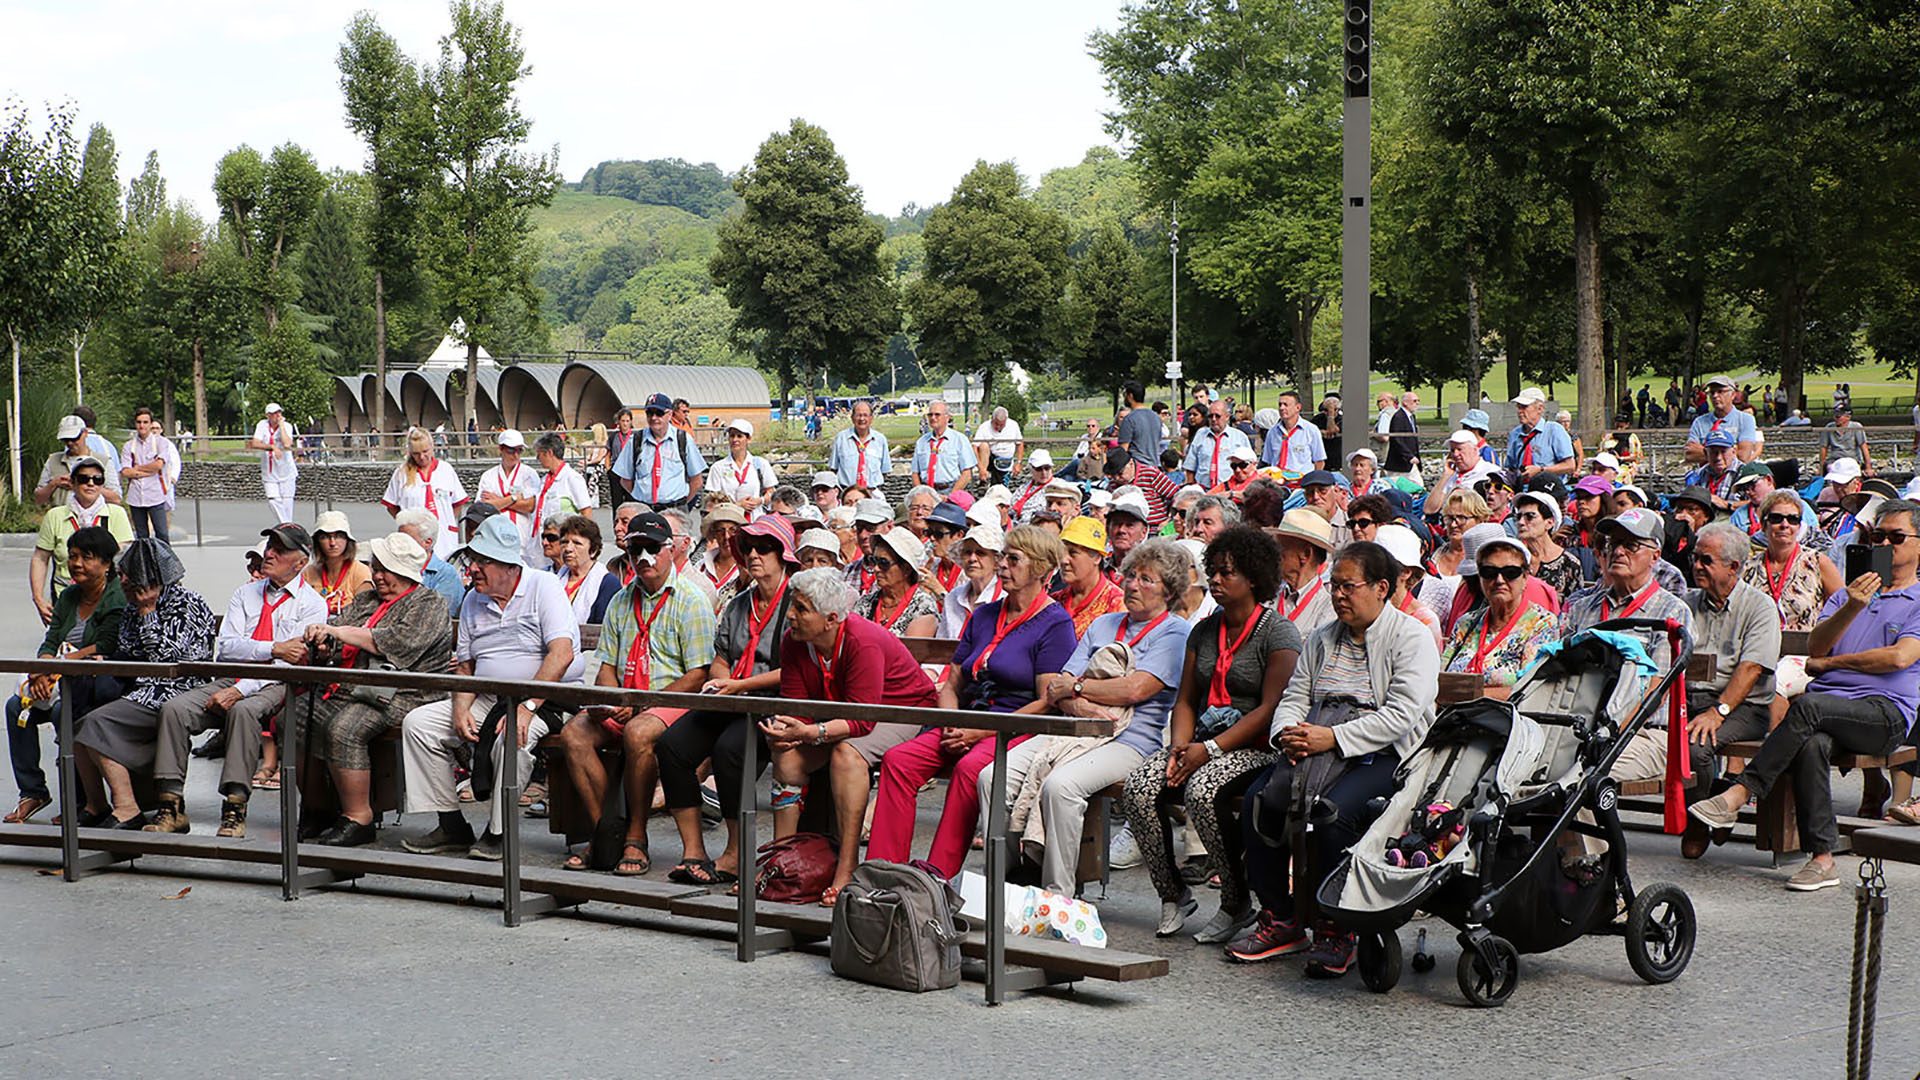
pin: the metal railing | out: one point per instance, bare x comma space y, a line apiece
307, 679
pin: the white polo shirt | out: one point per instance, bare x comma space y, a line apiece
508, 641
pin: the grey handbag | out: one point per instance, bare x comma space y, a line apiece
377, 696
897, 926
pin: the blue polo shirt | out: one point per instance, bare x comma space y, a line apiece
1550, 443
949, 453
1161, 653
675, 476
846, 462
1737, 423
1199, 461
1888, 618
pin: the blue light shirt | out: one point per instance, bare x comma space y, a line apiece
1304, 447
1738, 423
1162, 653
1206, 467
1549, 442
846, 462
949, 454
675, 476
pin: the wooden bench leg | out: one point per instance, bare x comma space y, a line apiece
1776, 826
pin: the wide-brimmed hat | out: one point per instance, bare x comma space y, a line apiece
725, 513
1477, 420
1303, 524
1858, 503
902, 542
818, 540
776, 527
872, 512
1471, 555
333, 521
497, 539
950, 514
1401, 542
401, 555
1694, 493
991, 537
1087, 532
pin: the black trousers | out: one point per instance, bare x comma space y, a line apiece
700, 735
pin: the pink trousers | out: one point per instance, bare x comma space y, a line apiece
902, 771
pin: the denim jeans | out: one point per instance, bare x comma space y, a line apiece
150, 521
23, 743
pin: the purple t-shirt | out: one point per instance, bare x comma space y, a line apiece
1039, 646
1888, 618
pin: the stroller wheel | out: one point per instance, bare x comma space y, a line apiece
1660, 932
1379, 956
1487, 986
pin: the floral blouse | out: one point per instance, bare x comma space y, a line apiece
1798, 596
1506, 657
919, 602
1564, 574
180, 628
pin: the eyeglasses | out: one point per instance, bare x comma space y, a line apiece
1877, 536
1781, 519
1457, 519
865, 526
881, 564
942, 534
1529, 515
1361, 523
1626, 545
1342, 588
89, 481
1504, 573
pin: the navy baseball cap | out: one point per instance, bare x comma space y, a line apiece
1718, 438
659, 403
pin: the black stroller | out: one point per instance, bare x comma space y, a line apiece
1510, 780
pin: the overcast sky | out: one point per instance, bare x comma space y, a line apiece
911, 92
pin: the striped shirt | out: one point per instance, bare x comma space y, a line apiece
1346, 671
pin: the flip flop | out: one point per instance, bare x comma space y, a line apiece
830, 896
579, 860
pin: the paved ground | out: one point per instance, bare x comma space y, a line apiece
111, 977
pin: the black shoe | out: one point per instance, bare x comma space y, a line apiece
136, 823
491, 847
101, 820
440, 842
315, 823
347, 832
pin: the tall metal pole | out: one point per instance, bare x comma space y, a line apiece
1356, 159
1174, 372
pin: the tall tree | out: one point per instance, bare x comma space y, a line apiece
383, 94
146, 195
1108, 315
1564, 91
333, 284
36, 210
96, 268
475, 216
801, 266
996, 269
267, 205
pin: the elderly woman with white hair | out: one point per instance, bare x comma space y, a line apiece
424, 482
832, 654
1132, 683
395, 624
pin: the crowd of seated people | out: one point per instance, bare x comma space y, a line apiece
1237, 635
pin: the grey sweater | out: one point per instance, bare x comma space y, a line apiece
1402, 664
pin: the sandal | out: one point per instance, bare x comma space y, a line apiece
1906, 813
265, 779
631, 866
579, 860
534, 793
700, 872
29, 806
830, 896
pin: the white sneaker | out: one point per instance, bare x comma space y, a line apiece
1124, 853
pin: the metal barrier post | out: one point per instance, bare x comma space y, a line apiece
199, 530
290, 792
747, 948
509, 796
997, 871
69, 806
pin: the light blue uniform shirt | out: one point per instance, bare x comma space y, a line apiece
675, 476
844, 460
1550, 447
955, 453
1199, 461
1737, 423
1304, 447
1162, 653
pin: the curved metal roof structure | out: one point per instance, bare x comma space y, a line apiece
592, 392
527, 394
347, 415
424, 398
487, 414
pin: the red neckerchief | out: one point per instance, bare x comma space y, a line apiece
350, 653
1127, 620
1636, 604
721, 582
1779, 587
573, 588
740, 474
263, 629
638, 672
1285, 438
1478, 666
880, 615
757, 621
657, 447
1217, 688
860, 463
513, 515
933, 455
1030, 492
328, 591
829, 660
1102, 591
948, 576
540, 503
1526, 447
1305, 599
1001, 628
426, 481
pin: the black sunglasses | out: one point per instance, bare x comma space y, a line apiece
1362, 523
1878, 536
551, 538
89, 480
881, 564
1508, 573
1781, 519
942, 534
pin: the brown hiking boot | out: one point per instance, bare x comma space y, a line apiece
171, 817
233, 817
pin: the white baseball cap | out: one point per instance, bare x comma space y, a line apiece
512, 439
1242, 453
1132, 503
744, 427
1040, 459
1099, 497
71, 427
1464, 438
825, 479
1843, 471
1363, 452
272, 407
1605, 460
1532, 395
1401, 542
872, 512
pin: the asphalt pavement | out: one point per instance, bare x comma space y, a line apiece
114, 975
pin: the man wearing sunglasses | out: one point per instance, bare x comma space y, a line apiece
1629, 547
661, 464
1864, 660
56, 478
86, 504
1751, 486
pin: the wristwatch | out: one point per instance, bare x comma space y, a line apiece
1722, 708
1213, 749
1079, 687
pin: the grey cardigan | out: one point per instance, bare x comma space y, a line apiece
1402, 665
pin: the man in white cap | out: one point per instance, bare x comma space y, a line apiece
1206, 461
1064, 498
1291, 445
742, 476
515, 624
512, 487
273, 437
266, 620
1039, 475
1463, 467
1537, 445
1842, 480
1722, 416
1128, 523
859, 454
825, 491
1306, 539
999, 443
56, 482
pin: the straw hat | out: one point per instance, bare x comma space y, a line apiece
400, 555
1303, 524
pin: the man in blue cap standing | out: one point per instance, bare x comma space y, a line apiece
662, 466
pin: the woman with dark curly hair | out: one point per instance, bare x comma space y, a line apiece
1239, 661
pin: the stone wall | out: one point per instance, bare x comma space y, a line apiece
360, 482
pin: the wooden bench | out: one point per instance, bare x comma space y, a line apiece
1776, 825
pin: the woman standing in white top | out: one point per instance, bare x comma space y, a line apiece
512, 486
278, 473
424, 482
745, 478
560, 490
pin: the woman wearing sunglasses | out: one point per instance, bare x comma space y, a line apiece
86, 505
1498, 640
1797, 577
897, 602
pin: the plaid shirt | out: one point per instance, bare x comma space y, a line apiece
680, 639
180, 628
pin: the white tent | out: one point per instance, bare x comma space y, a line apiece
451, 354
